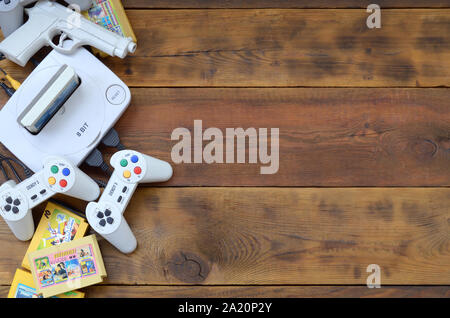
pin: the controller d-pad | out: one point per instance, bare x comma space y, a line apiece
105, 217
12, 204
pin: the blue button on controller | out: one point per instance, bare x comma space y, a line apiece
66, 172
134, 159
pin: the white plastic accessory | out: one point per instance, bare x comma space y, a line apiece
79, 125
48, 19
130, 169
57, 176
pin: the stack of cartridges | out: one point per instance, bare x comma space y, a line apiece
59, 260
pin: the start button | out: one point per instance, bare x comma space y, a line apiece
115, 94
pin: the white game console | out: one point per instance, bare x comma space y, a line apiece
79, 125
59, 175
106, 216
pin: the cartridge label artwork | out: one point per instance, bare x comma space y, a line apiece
72, 264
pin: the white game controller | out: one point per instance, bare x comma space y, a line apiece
57, 176
12, 13
106, 216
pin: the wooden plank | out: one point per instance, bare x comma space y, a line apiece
285, 48
288, 48
328, 137
260, 291
176, 4
252, 236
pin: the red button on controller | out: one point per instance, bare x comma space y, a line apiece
63, 183
137, 170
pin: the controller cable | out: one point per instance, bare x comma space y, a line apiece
112, 139
27, 171
7, 178
35, 62
8, 90
100, 183
95, 159
16, 175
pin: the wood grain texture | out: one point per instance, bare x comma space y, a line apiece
328, 137
211, 48
252, 236
176, 4
336, 137
288, 48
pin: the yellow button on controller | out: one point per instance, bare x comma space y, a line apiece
126, 174
51, 181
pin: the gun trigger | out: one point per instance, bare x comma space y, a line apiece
62, 38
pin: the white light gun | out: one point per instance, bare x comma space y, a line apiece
47, 20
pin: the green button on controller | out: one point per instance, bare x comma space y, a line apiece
123, 162
54, 169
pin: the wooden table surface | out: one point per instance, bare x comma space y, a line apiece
364, 151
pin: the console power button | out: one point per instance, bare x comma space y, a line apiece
115, 94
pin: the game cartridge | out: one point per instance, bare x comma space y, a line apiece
59, 224
68, 266
23, 287
111, 15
